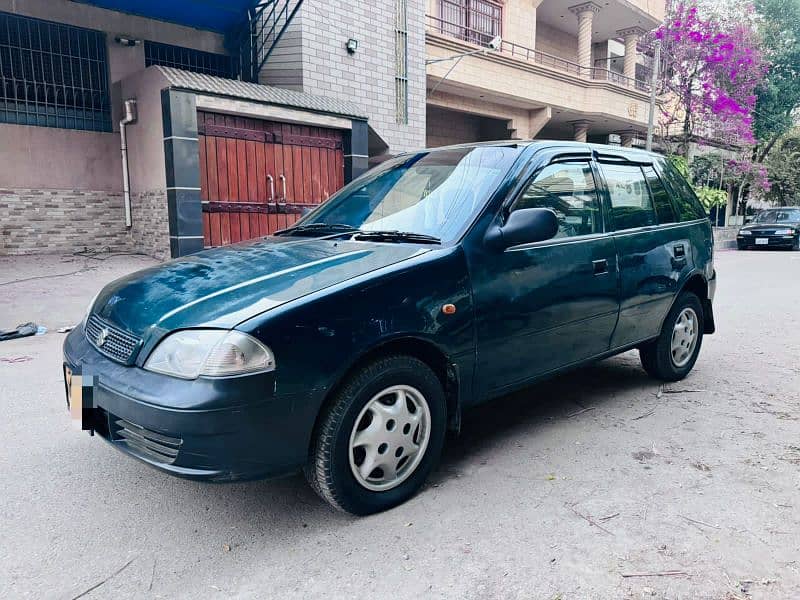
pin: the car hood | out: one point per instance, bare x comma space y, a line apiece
225, 286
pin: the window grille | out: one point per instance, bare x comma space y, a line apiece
53, 75
401, 66
188, 59
476, 21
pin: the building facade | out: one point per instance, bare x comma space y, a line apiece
556, 69
211, 155
237, 116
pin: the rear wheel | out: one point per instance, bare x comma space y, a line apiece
671, 356
380, 437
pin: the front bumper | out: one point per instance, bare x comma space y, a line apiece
213, 429
773, 241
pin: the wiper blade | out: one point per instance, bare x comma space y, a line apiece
397, 236
317, 228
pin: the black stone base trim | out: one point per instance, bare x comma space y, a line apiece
185, 212
182, 246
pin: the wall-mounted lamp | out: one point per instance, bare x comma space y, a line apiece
124, 41
351, 45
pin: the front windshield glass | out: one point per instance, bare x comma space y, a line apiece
788, 215
435, 193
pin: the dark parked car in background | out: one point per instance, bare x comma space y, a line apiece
348, 344
772, 228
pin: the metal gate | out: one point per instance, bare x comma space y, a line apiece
260, 176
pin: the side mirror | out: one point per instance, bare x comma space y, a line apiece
748, 220
523, 226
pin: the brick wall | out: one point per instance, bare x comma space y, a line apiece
65, 221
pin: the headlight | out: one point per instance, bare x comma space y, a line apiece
784, 231
746, 232
210, 352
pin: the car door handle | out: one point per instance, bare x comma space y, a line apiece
679, 251
600, 267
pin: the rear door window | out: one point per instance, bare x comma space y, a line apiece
631, 203
664, 210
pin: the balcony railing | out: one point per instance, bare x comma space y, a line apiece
480, 38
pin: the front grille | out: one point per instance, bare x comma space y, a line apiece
116, 343
155, 446
763, 231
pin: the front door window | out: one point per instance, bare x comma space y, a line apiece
569, 190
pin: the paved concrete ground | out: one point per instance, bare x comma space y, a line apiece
535, 500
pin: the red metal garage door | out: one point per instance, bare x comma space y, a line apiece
260, 176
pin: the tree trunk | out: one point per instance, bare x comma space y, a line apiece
763, 153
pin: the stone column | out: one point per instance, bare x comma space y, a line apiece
585, 13
631, 37
580, 130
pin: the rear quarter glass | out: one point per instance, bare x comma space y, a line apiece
687, 205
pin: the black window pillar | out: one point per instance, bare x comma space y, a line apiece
182, 158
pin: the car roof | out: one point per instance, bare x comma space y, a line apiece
630, 153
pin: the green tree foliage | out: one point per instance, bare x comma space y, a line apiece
783, 168
708, 196
779, 97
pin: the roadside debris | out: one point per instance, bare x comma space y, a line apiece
655, 574
16, 359
23, 330
65, 329
580, 412
588, 519
699, 522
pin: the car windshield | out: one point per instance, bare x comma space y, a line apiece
435, 193
789, 215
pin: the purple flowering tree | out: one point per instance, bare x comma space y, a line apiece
711, 70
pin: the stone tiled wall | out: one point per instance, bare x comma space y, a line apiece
43, 221
65, 221
149, 231
556, 42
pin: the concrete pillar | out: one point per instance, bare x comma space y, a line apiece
580, 130
631, 37
626, 140
585, 13
538, 118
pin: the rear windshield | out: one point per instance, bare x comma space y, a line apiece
686, 203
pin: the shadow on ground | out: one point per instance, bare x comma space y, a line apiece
284, 505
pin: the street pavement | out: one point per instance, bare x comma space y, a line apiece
598, 484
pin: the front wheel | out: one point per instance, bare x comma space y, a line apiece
673, 353
379, 437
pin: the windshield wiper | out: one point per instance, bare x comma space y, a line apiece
317, 228
397, 236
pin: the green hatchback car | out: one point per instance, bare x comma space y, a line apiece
346, 346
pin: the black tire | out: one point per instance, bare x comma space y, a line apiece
328, 470
742, 247
656, 355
